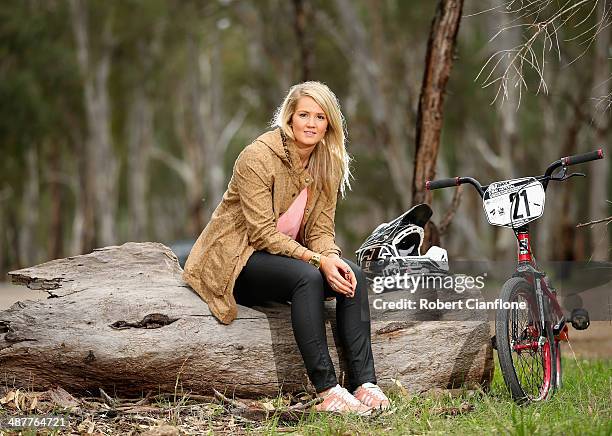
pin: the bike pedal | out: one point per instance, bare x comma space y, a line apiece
580, 319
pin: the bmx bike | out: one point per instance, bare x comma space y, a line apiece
530, 324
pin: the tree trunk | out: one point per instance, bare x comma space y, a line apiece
302, 18
599, 171
83, 225
97, 106
79, 181
204, 133
122, 319
368, 52
56, 228
5, 194
438, 64
565, 215
3, 244
508, 104
28, 244
140, 139
211, 101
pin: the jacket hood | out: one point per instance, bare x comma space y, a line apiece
285, 151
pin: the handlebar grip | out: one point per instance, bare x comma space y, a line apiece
430, 185
581, 158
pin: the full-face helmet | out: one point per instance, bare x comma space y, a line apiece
395, 247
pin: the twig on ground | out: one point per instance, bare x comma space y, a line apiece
305, 406
111, 402
144, 400
205, 398
234, 403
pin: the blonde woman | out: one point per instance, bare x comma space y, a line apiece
272, 239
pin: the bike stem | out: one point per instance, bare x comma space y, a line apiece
524, 245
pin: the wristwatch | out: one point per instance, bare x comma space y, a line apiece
315, 260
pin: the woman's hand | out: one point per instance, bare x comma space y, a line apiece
339, 275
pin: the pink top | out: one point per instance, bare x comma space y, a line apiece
289, 222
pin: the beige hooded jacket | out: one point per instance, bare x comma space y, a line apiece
267, 177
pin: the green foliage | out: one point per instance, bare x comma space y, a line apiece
38, 77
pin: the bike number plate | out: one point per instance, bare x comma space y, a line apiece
513, 203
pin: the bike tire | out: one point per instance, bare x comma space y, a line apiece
527, 368
559, 368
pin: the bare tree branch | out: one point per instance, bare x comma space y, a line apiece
182, 168
541, 22
604, 220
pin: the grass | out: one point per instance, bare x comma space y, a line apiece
582, 406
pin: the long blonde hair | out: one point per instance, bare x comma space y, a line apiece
329, 160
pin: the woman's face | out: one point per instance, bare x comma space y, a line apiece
309, 122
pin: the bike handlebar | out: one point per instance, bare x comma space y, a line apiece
430, 185
455, 181
581, 158
442, 183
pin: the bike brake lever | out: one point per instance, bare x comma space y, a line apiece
565, 177
572, 175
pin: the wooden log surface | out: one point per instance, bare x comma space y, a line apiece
122, 319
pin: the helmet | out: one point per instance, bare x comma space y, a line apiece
395, 247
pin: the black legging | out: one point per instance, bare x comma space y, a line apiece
269, 277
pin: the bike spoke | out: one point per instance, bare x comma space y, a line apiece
528, 359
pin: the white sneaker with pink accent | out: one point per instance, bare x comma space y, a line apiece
372, 396
339, 400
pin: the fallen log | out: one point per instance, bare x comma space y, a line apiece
121, 319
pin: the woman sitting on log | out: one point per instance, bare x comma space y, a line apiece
272, 238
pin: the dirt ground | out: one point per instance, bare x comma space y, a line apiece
595, 342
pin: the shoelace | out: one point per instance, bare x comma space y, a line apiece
375, 390
346, 395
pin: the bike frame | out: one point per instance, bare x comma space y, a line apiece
527, 269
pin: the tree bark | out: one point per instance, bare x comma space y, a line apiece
303, 15
508, 104
564, 216
140, 139
438, 65
122, 319
83, 224
98, 112
56, 228
28, 244
599, 171
5, 194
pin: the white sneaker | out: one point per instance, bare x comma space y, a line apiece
372, 396
339, 400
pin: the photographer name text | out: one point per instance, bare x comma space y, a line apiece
425, 304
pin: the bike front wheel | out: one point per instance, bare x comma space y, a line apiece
527, 364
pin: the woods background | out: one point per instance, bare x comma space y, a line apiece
120, 120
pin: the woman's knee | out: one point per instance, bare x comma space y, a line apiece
308, 278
